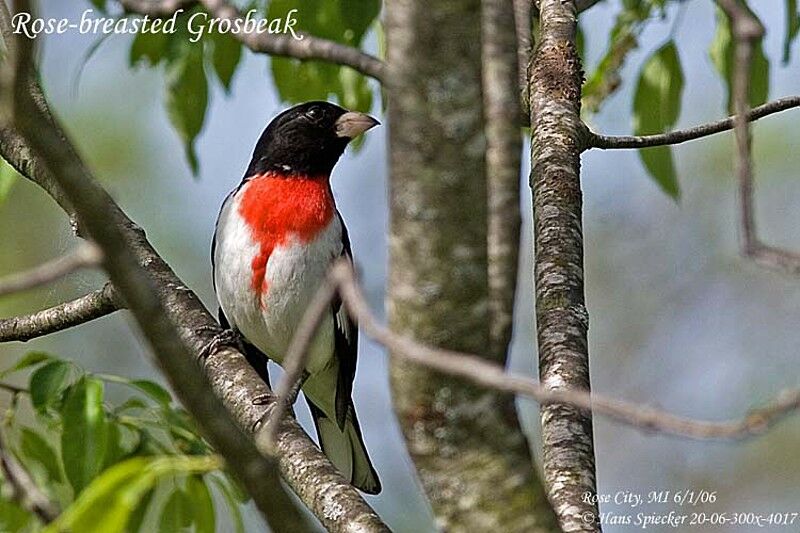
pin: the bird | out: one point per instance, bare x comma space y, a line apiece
277, 234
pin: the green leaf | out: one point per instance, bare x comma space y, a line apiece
154, 390
85, 436
606, 78
99, 4
13, 518
35, 449
657, 101
177, 513
47, 383
346, 22
187, 97
658, 162
26, 361
357, 16
106, 505
656, 107
202, 504
150, 47
139, 513
7, 178
225, 56
722, 55
792, 29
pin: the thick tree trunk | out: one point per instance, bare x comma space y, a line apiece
561, 317
466, 443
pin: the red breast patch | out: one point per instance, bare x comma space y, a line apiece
275, 207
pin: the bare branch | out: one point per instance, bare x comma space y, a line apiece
86, 255
491, 375
583, 5
596, 140
747, 30
25, 490
89, 307
306, 48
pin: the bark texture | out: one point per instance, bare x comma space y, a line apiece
503, 151
466, 443
561, 317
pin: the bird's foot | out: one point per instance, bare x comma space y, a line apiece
226, 337
271, 401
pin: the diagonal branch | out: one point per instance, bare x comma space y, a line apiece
596, 140
89, 307
341, 280
337, 504
307, 47
24, 488
86, 255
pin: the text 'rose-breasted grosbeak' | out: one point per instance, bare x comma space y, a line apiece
277, 234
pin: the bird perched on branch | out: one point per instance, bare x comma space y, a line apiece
277, 234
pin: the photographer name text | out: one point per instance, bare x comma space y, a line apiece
197, 25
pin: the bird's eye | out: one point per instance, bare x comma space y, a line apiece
314, 114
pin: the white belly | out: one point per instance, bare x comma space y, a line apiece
293, 275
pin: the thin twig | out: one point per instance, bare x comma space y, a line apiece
486, 374
294, 362
606, 142
85, 255
25, 490
13, 389
89, 307
747, 31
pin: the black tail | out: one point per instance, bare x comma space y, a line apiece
345, 448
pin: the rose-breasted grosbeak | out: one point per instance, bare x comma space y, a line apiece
276, 236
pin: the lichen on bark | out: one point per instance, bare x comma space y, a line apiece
561, 317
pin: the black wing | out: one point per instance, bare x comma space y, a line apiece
346, 343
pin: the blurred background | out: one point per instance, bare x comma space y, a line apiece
678, 319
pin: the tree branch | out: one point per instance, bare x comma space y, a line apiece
341, 280
596, 140
86, 255
561, 316
337, 504
89, 307
501, 103
285, 45
24, 488
747, 30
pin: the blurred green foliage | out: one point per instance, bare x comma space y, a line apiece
111, 468
657, 98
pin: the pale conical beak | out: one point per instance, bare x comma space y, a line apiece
353, 124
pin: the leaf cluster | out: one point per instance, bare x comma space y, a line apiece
132, 466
